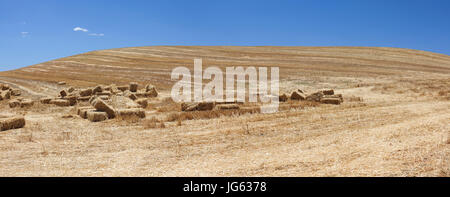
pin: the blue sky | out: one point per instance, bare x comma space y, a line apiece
36, 31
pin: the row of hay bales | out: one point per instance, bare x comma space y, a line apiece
71, 96
208, 106
322, 96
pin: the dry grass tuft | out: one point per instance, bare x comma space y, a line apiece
354, 99
153, 123
291, 104
167, 105
199, 115
125, 120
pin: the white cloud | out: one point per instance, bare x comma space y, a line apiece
24, 34
80, 29
95, 34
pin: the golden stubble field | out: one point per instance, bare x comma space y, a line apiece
394, 121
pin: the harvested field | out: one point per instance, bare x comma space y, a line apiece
392, 118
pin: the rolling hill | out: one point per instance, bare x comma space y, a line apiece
393, 121
154, 64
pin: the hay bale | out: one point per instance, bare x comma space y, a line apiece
15, 92
86, 92
142, 102
72, 100
298, 96
328, 92
151, 90
5, 87
60, 102
338, 96
114, 89
229, 102
63, 93
130, 95
315, 96
123, 88
97, 89
83, 98
61, 83
133, 87
70, 90
227, 107
11, 123
203, 106
282, 98
5, 95
82, 111
92, 99
188, 106
26, 103
103, 93
334, 101
122, 102
104, 97
97, 116
45, 100
100, 105
127, 113
14, 103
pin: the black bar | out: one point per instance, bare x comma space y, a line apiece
272, 185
